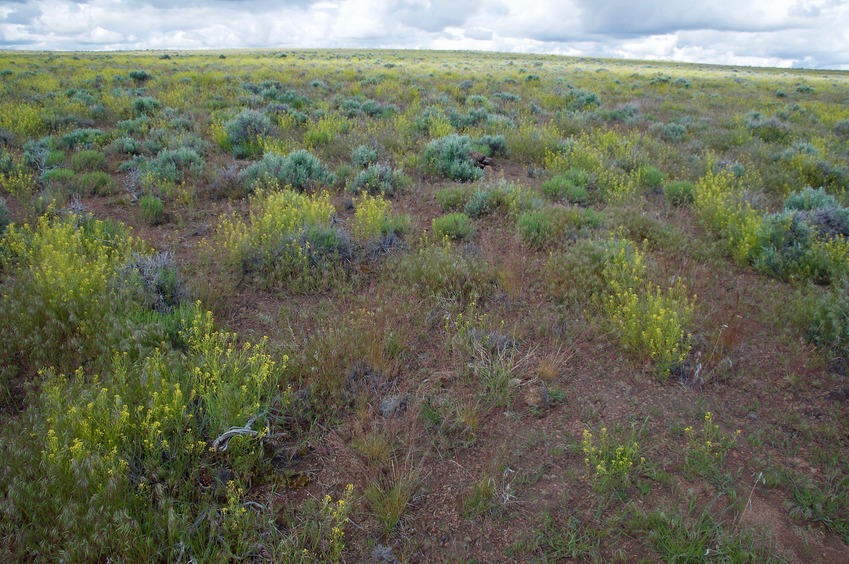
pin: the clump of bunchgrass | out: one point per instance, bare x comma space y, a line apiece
456, 226
151, 209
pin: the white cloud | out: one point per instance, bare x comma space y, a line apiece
757, 32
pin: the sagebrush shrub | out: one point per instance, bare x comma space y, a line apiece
450, 157
492, 145
379, 179
171, 165
86, 138
771, 130
300, 170
810, 199
841, 129
363, 156
146, 105
244, 130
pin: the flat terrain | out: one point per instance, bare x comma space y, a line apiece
416, 306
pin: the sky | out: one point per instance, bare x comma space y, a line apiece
780, 33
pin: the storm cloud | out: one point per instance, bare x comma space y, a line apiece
784, 33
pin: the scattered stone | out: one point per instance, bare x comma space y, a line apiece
494, 342
481, 160
384, 555
201, 230
393, 405
839, 395
514, 382
364, 379
537, 397
753, 416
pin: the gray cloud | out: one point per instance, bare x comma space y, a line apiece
757, 32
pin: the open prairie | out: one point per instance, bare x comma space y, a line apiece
382, 306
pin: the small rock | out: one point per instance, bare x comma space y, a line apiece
494, 342
839, 395
384, 555
514, 382
753, 416
537, 397
393, 405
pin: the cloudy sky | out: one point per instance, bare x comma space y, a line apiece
785, 33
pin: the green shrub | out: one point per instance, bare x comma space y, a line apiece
145, 105
61, 176
575, 275
455, 226
651, 177
244, 130
453, 198
442, 271
379, 179
152, 209
841, 129
85, 161
97, 445
140, 75
372, 220
85, 138
679, 192
770, 130
300, 170
501, 196
571, 186
535, 227
826, 318
96, 183
449, 157
542, 227
5, 216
